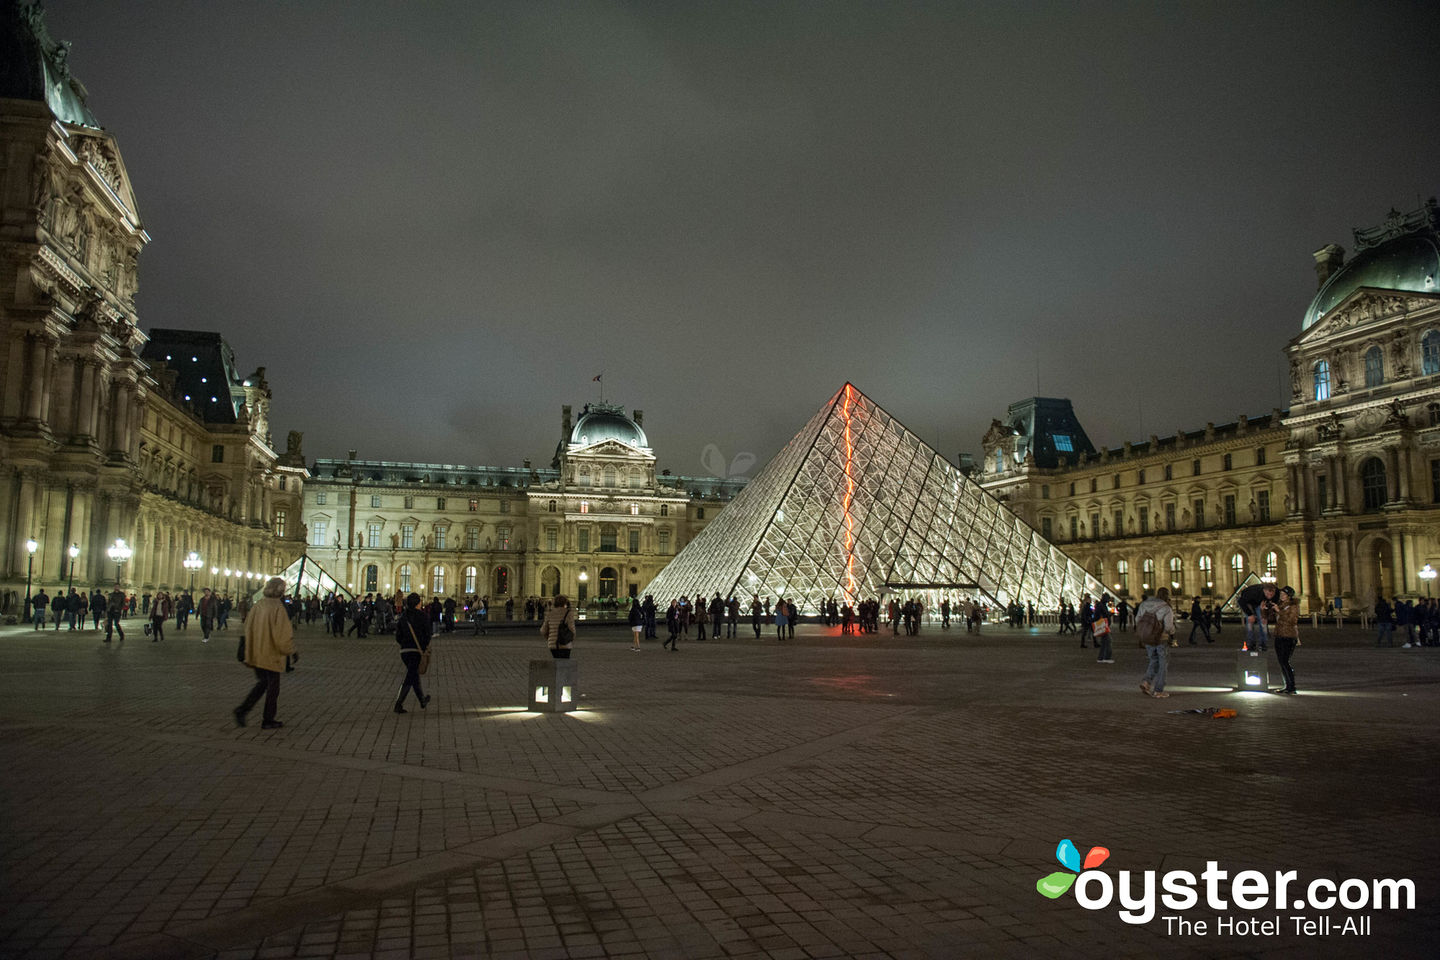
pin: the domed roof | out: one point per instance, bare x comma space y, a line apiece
606, 422
1410, 263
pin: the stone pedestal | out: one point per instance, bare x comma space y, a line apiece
554, 686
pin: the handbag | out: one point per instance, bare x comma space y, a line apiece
564, 636
1101, 627
424, 654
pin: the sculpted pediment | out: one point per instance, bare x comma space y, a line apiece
1367, 305
98, 152
610, 448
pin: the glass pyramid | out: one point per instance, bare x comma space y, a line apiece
306, 578
857, 507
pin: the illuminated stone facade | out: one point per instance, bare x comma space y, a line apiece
1339, 496
96, 440
597, 524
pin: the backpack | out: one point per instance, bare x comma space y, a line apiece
1148, 628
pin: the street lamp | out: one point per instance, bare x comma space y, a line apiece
120, 552
192, 562
30, 547
1427, 574
74, 552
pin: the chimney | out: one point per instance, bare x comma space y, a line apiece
565, 418
1328, 260
639, 418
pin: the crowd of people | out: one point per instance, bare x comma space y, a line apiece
72, 608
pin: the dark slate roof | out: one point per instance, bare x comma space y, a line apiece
1046, 426
204, 368
35, 67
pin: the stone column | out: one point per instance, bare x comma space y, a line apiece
47, 389
35, 378
1392, 476
24, 518
1402, 470
1340, 482
85, 414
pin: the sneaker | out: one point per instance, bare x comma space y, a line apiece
1145, 687
1104, 661
271, 725
1406, 646
1159, 694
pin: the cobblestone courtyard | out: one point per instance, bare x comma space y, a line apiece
826, 797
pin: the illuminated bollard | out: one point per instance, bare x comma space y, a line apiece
553, 686
1252, 671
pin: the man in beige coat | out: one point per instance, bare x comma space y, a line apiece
269, 639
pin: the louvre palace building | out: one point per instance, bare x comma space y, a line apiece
107, 433
1339, 496
598, 523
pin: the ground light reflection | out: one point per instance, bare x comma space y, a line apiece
521, 712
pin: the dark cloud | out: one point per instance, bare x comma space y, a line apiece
435, 223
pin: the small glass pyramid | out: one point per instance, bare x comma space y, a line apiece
858, 507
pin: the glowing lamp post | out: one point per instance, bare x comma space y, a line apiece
1427, 573
74, 552
30, 547
121, 553
192, 562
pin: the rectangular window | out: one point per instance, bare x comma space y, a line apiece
1072, 489
1140, 477
582, 540
1262, 503
1199, 514
1260, 457
1093, 481
1321, 489
439, 503
1119, 523
699, 513
1167, 471
1227, 463
1045, 491
474, 505
280, 517
1063, 442
440, 531
1169, 516
502, 538
317, 532
372, 534
409, 503
375, 500
1195, 468
634, 541
472, 538
1094, 525
1074, 528
584, 506
665, 540
1045, 528
407, 536
607, 540
320, 497
664, 509
1229, 509
552, 537
1144, 520
504, 506
217, 453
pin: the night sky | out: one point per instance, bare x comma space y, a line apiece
434, 223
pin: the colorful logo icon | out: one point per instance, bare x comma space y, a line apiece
1057, 883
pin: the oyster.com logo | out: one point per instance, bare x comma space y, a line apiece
1058, 883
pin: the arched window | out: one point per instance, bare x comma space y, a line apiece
372, 578
405, 578
610, 476
469, 579
437, 581
1322, 380
552, 506
1177, 575
1374, 367
608, 582
1430, 353
1237, 569
1207, 573
1272, 564
1372, 483
1122, 576
1147, 570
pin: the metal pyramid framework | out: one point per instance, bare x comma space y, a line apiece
858, 507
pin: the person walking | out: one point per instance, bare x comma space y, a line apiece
672, 624
269, 641
39, 606
1155, 628
159, 611
412, 633
637, 624
114, 608
558, 627
1287, 634
207, 614
1198, 621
